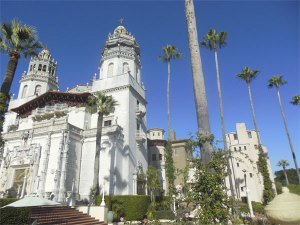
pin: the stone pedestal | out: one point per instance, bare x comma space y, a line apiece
99, 212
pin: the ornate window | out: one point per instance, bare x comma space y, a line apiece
40, 67
24, 91
44, 68
30, 68
37, 90
125, 67
110, 70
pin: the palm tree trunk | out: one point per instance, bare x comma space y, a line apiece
10, 73
168, 98
288, 134
198, 81
97, 155
286, 178
253, 114
233, 191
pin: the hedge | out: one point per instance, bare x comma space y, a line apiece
164, 214
294, 188
13, 215
131, 207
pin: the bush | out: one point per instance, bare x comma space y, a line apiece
258, 207
244, 208
164, 214
13, 215
131, 207
294, 188
278, 187
244, 200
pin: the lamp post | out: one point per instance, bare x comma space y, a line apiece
174, 206
248, 197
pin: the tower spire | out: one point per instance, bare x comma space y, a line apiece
121, 20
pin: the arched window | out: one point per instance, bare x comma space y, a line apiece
24, 91
37, 90
110, 70
30, 68
40, 67
44, 68
125, 67
53, 71
49, 69
34, 67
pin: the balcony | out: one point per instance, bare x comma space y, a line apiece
49, 111
140, 137
140, 111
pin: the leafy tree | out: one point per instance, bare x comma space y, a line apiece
296, 100
284, 163
198, 80
207, 187
291, 174
268, 193
170, 52
153, 183
276, 81
211, 41
249, 75
103, 105
170, 169
16, 40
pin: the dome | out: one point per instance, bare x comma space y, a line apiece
45, 53
120, 30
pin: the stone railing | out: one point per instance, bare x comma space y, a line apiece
140, 110
140, 136
50, 109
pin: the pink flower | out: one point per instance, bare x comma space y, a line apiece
217, 220
180, 219
187, 215
145, 220
121, 219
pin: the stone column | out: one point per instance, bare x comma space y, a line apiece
23, 187
36, 163
134, 191
58, 166
62, 186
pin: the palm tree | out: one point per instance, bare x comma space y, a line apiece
249, 75
276, 81
284, 163
103, 105
16, 40
211, 41
170, 52
198, 82
296, 100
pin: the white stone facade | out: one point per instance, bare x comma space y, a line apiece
243, 145
54, 142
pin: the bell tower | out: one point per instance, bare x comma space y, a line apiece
40, 77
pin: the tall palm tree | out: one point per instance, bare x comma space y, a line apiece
16, 40
170, 52
296, 100
249, 75
284, 163
103, 105
211, 41
276, 81
198, 81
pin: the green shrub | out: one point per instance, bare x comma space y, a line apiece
294, 188
164, 214
163, 202
244, 208
13, 215
133, 207
244, 200
278, 187
258, 207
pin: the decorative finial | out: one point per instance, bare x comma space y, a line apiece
121, 20
46, 46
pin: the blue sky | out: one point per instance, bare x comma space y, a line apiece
263, 35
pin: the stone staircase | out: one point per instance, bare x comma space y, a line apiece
62, 215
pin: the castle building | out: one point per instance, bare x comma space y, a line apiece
50, 138
243, 145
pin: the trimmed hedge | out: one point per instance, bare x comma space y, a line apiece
164, 214
18, 216
294, 188
131, 207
